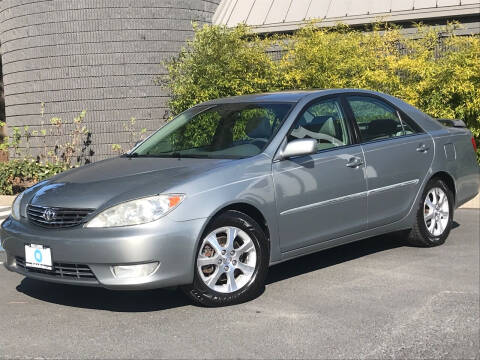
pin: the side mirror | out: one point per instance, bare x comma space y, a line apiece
299, 147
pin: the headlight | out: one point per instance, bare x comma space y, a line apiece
137, 212
16, 207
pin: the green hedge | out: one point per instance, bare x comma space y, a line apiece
438, 73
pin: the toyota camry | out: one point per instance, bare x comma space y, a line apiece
234, 185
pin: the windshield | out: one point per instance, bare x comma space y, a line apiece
217, 131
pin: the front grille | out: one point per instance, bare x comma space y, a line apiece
64, 271
53, 217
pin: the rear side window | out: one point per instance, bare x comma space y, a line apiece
377, 120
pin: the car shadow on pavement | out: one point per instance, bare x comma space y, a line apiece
162, 299
103, 299
337, 255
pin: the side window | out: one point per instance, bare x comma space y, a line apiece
323, 121
376, 119
409, 126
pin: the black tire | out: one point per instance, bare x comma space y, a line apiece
419, 235
203, 295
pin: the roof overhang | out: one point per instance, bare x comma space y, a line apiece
258, 13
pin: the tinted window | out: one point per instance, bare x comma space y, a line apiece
323, 121
376, 119
409, 126
218, 131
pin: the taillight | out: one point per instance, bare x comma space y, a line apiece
474, 143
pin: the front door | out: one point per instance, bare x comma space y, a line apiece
321, 196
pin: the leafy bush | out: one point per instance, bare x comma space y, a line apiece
70, 149
17, 175
219, 62
439, 72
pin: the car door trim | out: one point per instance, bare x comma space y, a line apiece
349, 197
393, 186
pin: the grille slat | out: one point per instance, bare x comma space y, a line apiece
64, 217
64, 271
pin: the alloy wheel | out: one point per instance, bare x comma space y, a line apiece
227, 259
436, 211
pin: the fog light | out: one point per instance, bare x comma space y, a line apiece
134, 271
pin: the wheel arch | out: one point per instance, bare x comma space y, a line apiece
247, 209
449, 181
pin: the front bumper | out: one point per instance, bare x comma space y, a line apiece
173, 244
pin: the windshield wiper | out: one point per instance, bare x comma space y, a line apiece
132, 155
179, 155
175, 155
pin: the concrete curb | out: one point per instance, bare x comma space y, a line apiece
472, 204
6, 200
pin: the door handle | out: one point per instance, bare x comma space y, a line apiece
354, 162
422, 148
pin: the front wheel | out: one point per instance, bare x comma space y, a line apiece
434, 216
231, 261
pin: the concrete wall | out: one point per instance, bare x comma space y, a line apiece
98, 55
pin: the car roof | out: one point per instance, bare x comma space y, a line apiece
291, 96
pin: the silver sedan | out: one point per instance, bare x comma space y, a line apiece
234, 185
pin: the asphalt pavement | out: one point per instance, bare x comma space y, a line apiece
376, 298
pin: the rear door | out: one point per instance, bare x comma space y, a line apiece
321, 196
397, 154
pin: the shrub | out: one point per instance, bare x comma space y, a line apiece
438, 72
219, 62
71, 141
70, 149
17, 175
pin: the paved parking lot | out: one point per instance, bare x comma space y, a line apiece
373, 299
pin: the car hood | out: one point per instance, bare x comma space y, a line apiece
116, 180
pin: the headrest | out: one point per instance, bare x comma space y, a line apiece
320, 120
259, 127
382, 127
321, 124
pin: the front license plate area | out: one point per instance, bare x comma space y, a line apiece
38, 257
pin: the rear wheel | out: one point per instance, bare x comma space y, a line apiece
434, 216
231, 262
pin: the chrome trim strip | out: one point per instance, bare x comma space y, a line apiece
325, 202
394, 186
348, 197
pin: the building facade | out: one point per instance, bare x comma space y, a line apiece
96, 55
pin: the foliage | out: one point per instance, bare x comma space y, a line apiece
436, 71
219, 62
70, 149
134, 135
71, 141
75, 150
16, 175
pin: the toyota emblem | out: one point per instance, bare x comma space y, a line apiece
49, 214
